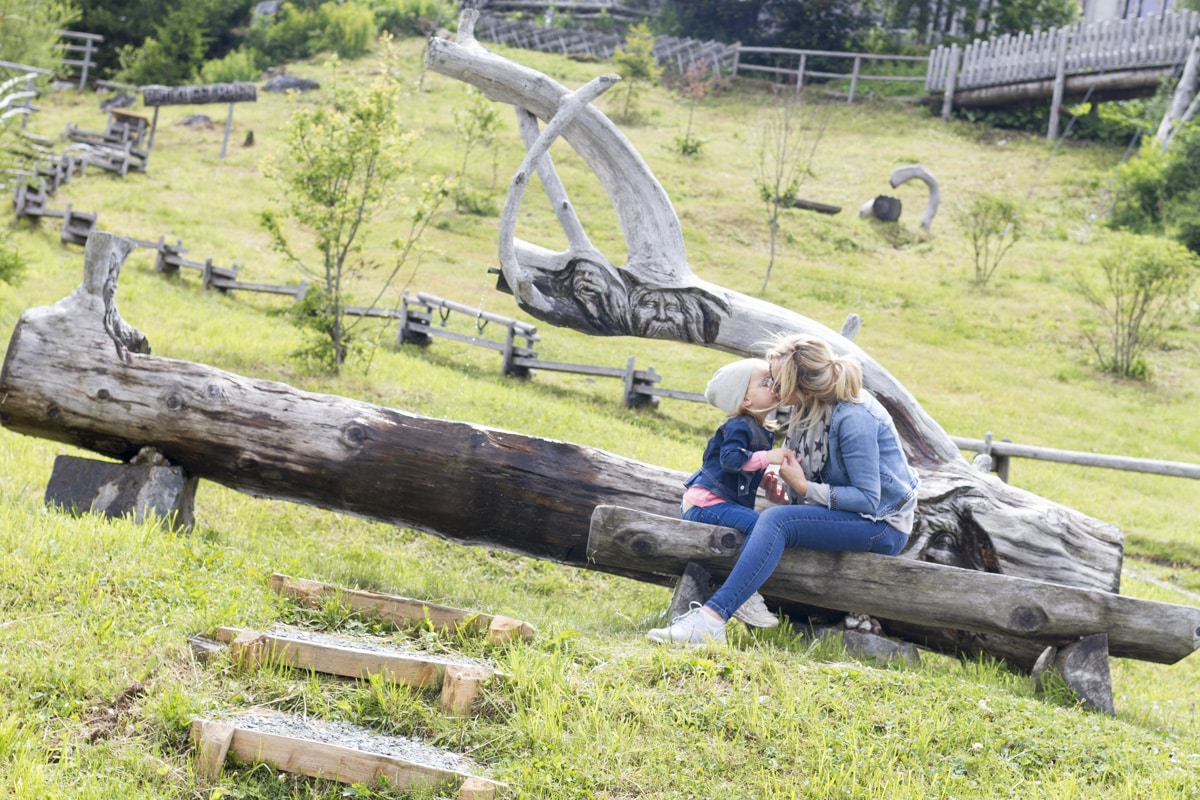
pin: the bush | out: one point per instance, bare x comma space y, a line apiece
347, 30
1140, 291
412, 17
291, 35
12, 265
993, 224
173, 56
240, 65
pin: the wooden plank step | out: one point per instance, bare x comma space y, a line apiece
331, 655
402, 611
334, 751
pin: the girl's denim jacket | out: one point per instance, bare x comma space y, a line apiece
725, 455
866, 470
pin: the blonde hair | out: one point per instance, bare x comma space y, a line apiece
811, 377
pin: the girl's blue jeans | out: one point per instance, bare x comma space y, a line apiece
731, 515
812, 527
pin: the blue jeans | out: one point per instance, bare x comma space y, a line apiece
731, 515
812, 527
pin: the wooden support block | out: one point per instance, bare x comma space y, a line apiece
694, 586
213, 745
505, 629
248, 648
476, 789
460, 687
79, 485
1083, 665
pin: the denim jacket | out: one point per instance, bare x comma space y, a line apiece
866, 469
725, 455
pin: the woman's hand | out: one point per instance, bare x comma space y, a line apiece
792, 473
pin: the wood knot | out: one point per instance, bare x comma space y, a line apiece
247, 463
1027, 619
214, 392
103, 394
53, 411
643, 545
354, 435
172, 402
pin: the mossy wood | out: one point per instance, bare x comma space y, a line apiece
907, 591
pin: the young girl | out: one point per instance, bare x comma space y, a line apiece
722, 491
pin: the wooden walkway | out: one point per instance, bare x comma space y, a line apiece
1108, 60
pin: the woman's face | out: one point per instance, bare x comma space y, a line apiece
775, 364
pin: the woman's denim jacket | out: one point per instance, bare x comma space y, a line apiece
725, 455
866, 470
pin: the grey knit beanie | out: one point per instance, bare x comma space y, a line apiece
728, 386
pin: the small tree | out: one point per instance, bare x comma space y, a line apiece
344, 161
477, 126
636, 65
1139, 291
697, 83
789, 130
993, 224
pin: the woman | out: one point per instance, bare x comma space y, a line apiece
844, 471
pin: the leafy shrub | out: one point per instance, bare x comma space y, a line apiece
239, 65
1138, 293
346, 29
412, 17
993, 224
12, 265
290, 35
1160, 192
173, 56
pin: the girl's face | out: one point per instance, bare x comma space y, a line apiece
761, 396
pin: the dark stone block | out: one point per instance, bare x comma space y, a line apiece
79, 485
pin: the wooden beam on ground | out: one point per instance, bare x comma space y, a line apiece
904, 590
330, 761
458, 680
402, 611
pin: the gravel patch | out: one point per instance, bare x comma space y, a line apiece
367, 645
344, 734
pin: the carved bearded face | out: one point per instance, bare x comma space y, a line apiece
656, 313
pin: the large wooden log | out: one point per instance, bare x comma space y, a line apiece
965, 518
76, 372
901, 589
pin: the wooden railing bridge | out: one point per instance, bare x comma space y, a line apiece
1108, 60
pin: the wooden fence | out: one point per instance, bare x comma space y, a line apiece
801, 70
85, 45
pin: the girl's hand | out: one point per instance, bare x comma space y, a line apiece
793, 473
774, 488
775, 456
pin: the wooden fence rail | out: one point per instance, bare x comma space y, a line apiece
797, 74
84, 44
1002, 451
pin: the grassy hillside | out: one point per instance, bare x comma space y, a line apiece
98, 682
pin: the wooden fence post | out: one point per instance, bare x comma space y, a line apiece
951, 79
854, 78
1060, 78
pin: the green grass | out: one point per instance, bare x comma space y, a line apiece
98, 683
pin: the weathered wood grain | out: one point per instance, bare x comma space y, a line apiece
925, 594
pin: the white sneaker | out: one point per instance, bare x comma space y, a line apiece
754, 612
695, 627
